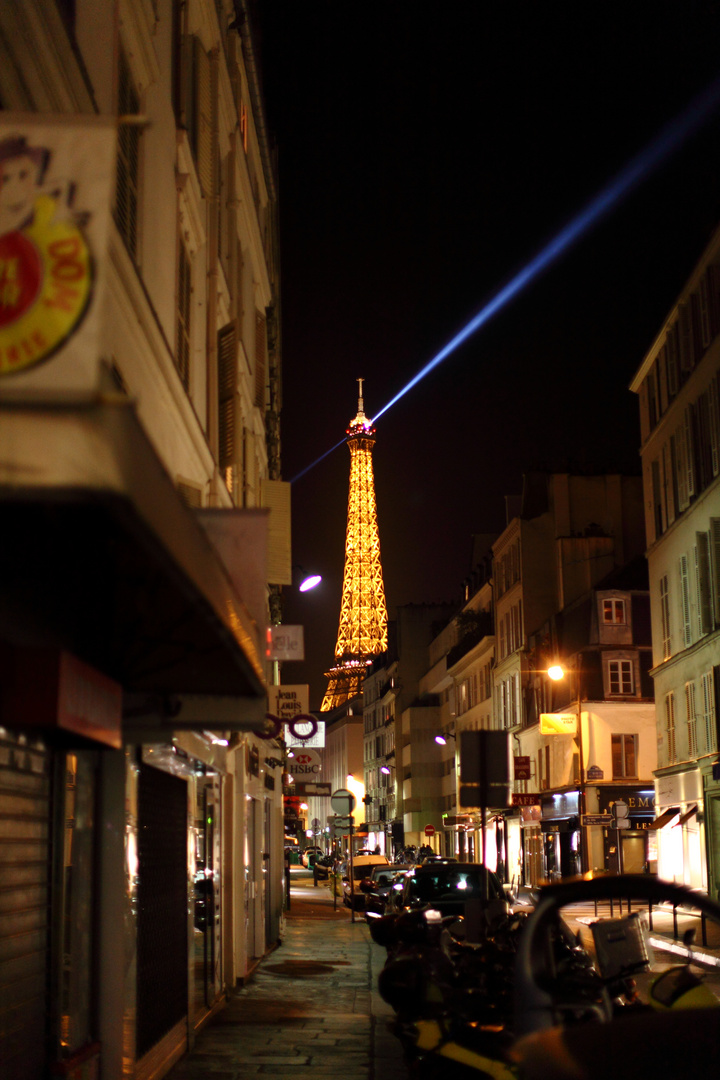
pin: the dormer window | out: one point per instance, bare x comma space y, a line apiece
614, 612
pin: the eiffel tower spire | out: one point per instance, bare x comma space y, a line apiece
363, 615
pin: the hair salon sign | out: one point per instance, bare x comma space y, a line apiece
55, 202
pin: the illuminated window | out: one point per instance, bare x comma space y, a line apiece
614, 612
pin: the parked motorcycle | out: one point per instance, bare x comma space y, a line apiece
528, 1001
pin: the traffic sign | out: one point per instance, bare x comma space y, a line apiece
429, 830
310, 788
597, 819
342, 801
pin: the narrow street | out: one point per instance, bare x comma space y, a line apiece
311, 1008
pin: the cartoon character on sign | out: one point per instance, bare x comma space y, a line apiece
46, 270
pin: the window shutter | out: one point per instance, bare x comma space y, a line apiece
204, 118
127, 165
259, 360
690, 451
673, 360
668, 486
184, 290
687, 338
702, 582
685, 600
670, 727
665, 616
714, 567
679, 445
714, 425
227, 354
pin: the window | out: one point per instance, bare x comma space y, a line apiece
624, 756
614, 611
665, 617
227, 352
127, 166
620, 674
691, 719
670, 727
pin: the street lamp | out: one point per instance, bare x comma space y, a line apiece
441, 740
306, 580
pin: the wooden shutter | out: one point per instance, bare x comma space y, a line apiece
685, 600
715, 567
127, 163
184, 290
259, 360
204, 118
227, 354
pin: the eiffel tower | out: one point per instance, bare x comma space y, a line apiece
363, 615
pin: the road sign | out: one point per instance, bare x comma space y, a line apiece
623, 823
597, 819
310, 788
340, 822
429, 830
342, 801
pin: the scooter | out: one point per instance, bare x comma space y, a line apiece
562, 1002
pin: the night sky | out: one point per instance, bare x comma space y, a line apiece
426, 152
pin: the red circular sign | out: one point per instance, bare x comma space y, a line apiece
429, 830
20, 276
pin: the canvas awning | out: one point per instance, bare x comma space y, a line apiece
690, 812
665, 818
100, 556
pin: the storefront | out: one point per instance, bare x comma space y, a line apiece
561, 835
628, 849
121, 632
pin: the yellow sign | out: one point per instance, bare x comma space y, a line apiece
45, 266
558, 724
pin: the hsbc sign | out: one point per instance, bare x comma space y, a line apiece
306, 764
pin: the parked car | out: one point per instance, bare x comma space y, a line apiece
447, 886
378, 886
309, 855
362, 867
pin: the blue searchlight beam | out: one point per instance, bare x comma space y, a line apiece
670, 139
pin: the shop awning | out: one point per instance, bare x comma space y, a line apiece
664, 818
686, 816
99, 555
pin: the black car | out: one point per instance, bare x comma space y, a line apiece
378, 887
447, 887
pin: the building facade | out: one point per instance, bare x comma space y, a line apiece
144, 529
678, 385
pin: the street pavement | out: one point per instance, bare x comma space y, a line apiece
311, 1007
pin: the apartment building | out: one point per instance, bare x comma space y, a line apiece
566, 535
400, 724
678, 386
144, 529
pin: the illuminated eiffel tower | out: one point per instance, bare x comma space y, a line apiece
363, 615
